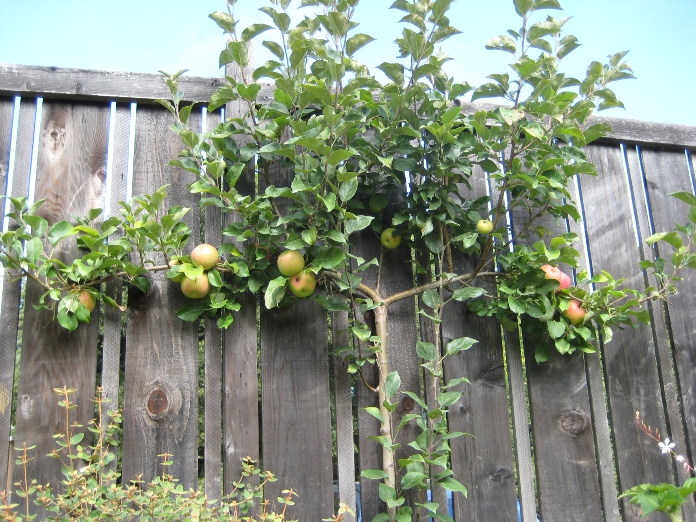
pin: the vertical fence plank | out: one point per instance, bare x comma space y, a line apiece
212, 366
295, 395
483, 461
241, 431
295, 407
564, 452
111, 351
630, 362
10, 305
666, 172
70, 174
161, 384
345, 445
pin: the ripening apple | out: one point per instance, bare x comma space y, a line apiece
553, 272
575, 312
484, 226
389, 239
195, 288
290, 263
87, 299
205, 255
303, 283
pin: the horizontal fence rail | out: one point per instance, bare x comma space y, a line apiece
557, 439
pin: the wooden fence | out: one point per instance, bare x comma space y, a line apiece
558, 438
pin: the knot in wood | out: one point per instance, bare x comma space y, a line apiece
157, 403
78, 88
573, 423
407, 403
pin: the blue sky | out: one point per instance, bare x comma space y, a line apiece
148, 35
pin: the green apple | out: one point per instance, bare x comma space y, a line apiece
389, 239
205, 255
290, 263
195, 288
484, 226
303, 283
575, 312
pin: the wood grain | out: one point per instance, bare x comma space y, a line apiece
630, 358
70, 174
161, 350
295, 399
483, 462
10, 300
667, 172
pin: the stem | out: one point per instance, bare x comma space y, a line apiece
385, 429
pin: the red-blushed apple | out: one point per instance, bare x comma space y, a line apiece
195, 288
87, 299
290, 263
575, 312
553, 272
389, 239
484, 226
205, 255
303, 284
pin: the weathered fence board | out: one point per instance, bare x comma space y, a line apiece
582, 448
9, 307
630, 357
161, 383
70, 170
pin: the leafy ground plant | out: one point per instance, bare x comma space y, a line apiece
339, 158
91, 490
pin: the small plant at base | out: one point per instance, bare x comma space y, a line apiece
90, 489
666, 498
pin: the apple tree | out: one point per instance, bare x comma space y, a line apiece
357, 149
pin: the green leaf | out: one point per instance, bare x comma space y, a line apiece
236, 52
452, 485
224, 20
556, 329
348, 189
59, 231
502, 43
34, 248
522, 6
412, 479
686, 197
337, 156
356, 42
275, 292
460, 344
253, 31
375, 412
393, 71
275, 48
359, 223
328, 258
193, 309
392, 384
431, 298
427, 351
374, 474
468, 292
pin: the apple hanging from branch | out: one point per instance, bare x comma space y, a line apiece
553, 272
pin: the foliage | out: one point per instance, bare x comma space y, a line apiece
91, 491
666, 498
341, 157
